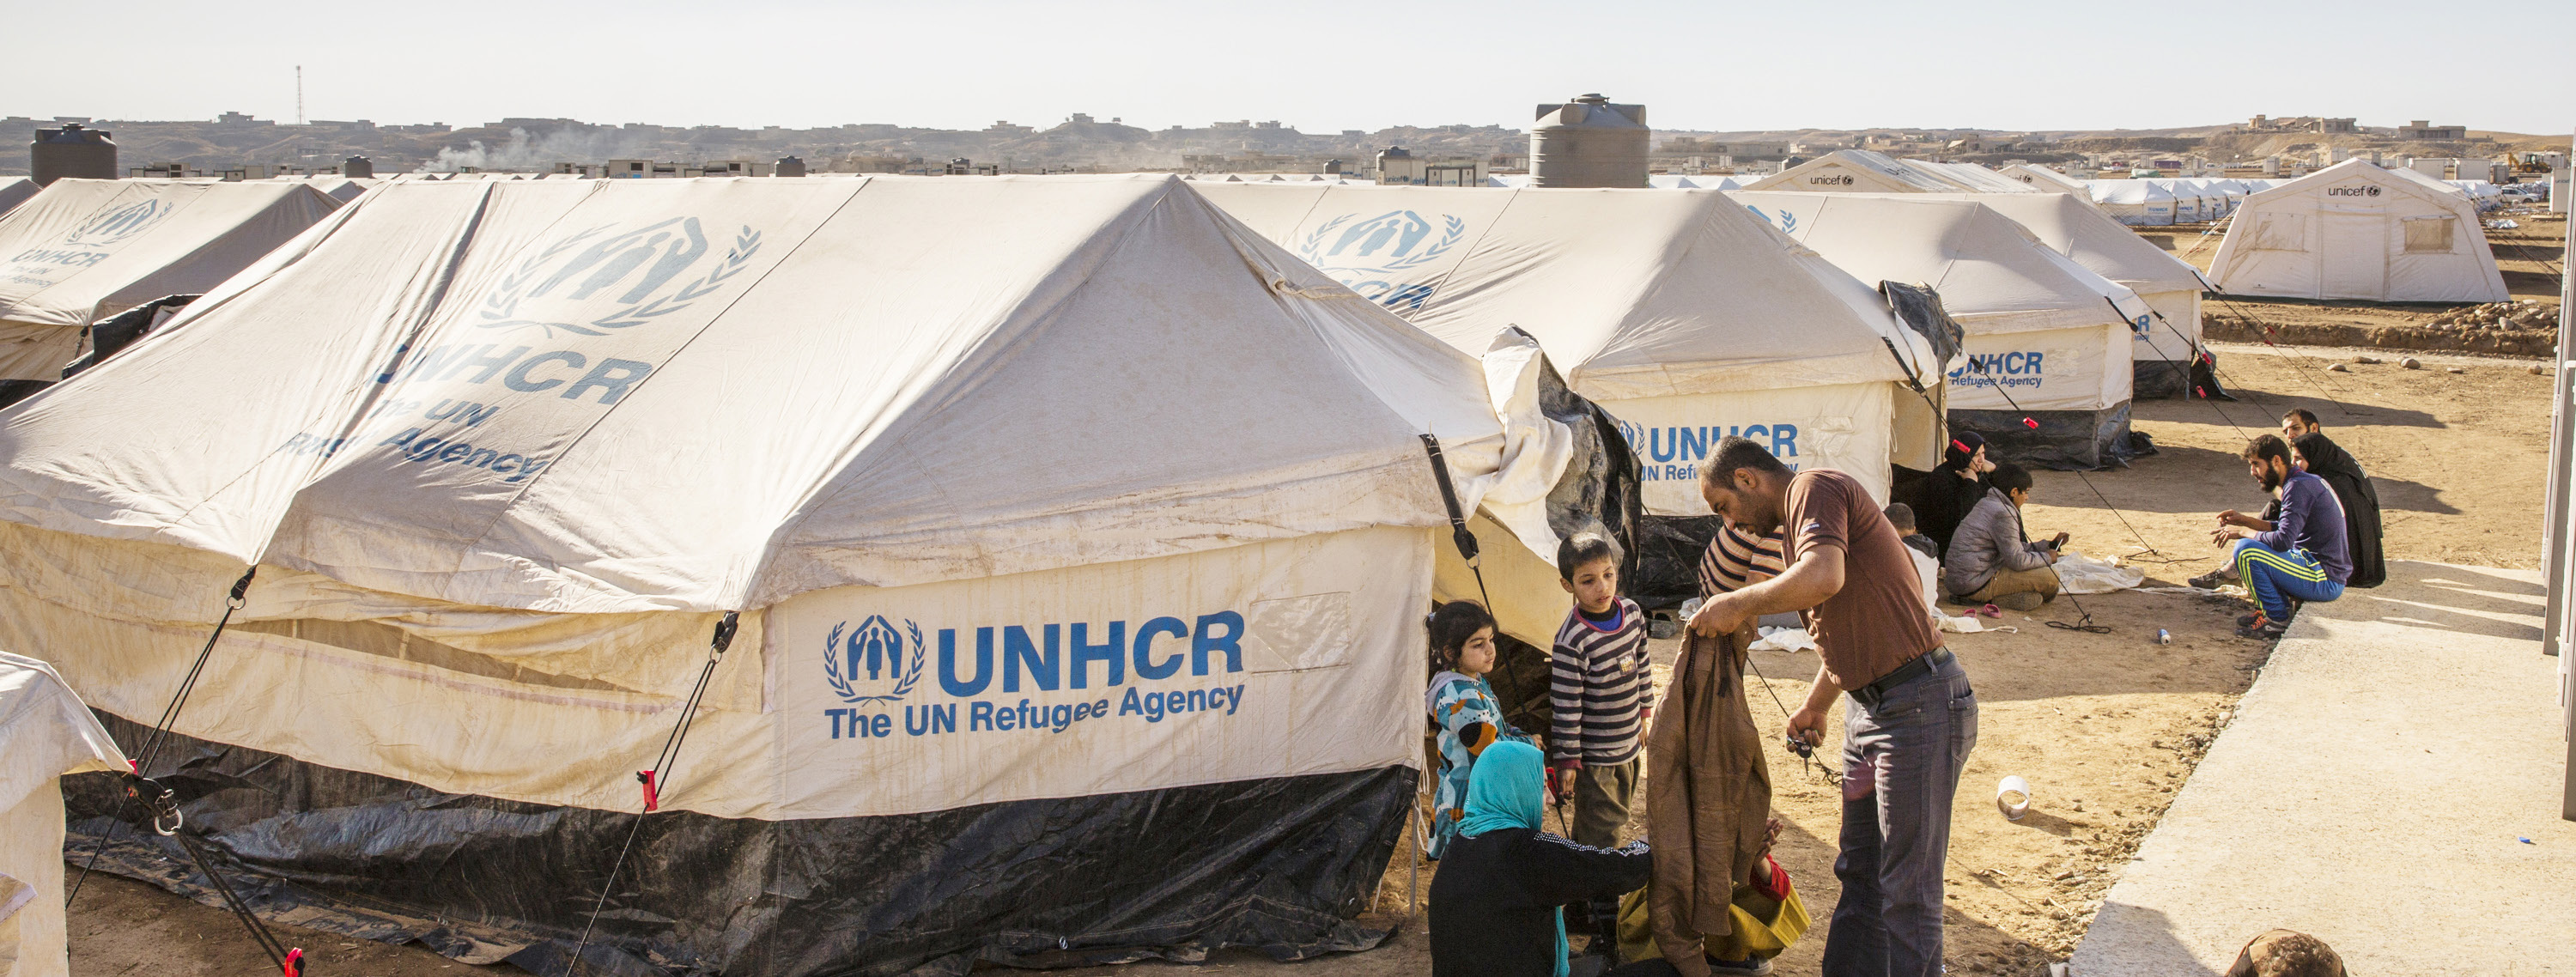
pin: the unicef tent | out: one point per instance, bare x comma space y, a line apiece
15, 190
45, 733
1673, 309
2356, 231
1020, 570
2048, 340
1859, 171
2138, 203
84, 250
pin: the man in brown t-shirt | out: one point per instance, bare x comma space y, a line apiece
1912, 717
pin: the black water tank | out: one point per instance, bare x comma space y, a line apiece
790, 166
358, 168
73, 151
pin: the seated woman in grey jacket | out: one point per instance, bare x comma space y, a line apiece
1991, 559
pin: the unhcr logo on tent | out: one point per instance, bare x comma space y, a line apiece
1674, 454
878, 664
120, 224
2015, 369
595, 282
1371, 256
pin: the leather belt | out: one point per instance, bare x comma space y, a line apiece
1875, 692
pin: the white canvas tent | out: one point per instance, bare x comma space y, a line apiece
2356, 231
15, 190
1672, 309
2045, 179
1042, 501
2048, 339
45, 732
1858, 171
2162, 351
2137, 203
84, 250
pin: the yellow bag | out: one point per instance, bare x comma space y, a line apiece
1762, 927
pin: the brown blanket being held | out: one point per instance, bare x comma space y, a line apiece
1708, 799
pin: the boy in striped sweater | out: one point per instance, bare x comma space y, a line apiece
1597, 691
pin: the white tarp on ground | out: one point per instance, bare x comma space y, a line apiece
83, 250
2169, 287
2054, 334
2138, 203
15, 190
1859, 171
2356, 231
1050, 442
45, 732
1673, 309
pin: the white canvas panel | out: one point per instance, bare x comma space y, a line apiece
1321, 636
1843, 427
45, 732
1858, 171
2175, 332
2059, 369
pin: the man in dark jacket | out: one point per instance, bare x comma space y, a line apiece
2352, 489
2321, 457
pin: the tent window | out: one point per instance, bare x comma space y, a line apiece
2430, 235
2280, 232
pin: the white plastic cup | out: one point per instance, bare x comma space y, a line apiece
2012, 797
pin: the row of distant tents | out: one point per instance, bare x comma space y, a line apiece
1077, 530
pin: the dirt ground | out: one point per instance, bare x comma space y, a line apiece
2105, 727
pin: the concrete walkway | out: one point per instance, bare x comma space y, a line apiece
2373, 790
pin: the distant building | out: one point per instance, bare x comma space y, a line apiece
1005, 128
2332, 126
2424, 129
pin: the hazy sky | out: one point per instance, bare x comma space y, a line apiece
2017, 65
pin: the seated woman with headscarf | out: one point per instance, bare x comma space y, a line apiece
1497, 906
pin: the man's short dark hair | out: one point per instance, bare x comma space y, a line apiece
2302, 415
2008, 477
2268, 446
1901, 516
1738, 452
1581, 549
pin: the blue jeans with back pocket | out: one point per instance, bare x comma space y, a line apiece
1901, 764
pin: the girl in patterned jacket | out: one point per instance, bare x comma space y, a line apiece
1466, 711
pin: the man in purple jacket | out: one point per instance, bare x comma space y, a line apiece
2299, 556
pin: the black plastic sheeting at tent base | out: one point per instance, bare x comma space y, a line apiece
2066, 440
1281, 865
2159, 379
1668, 554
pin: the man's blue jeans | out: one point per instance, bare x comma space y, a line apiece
2277, 578
1901, 763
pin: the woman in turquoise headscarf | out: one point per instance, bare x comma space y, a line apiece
1496, 906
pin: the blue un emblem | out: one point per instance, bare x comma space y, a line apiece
871, 663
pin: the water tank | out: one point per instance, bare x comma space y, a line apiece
1588, 142
72, 151
358, 168
790, 166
